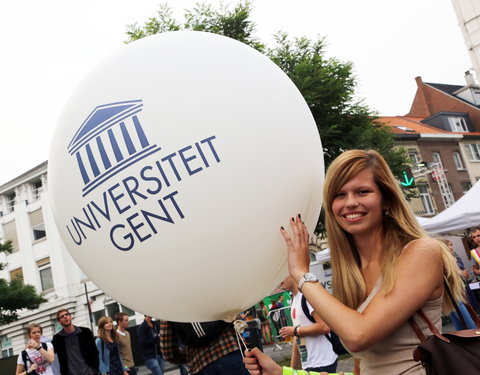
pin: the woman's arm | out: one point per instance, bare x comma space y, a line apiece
20, 370
104, 367
295, 362
418, 279
48, 353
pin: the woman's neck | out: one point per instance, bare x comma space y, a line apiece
369, 246
370, 249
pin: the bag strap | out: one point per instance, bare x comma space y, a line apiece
432, 327
24, 358
329, 338
416, 329
306, 311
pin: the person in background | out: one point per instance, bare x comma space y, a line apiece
108, 349
75, 347
219, 356
465, 276
311, 350
384, 266
125, 342
35, 357
149, 340
474, 234
262, 314
475, 237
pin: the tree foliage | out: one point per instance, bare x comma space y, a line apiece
14, 295
327, 84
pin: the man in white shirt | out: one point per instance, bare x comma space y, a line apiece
311, 350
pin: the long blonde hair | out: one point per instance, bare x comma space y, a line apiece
399, 228
102, 333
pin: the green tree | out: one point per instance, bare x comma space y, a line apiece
327, 84
14, 295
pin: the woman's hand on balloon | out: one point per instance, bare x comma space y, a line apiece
258, 363
298, 258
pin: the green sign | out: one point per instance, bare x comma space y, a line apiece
407, 178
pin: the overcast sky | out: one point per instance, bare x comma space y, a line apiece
49, 45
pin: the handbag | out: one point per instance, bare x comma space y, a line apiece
449, 353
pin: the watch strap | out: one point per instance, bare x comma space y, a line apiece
304, 279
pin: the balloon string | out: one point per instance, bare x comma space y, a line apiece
240, 341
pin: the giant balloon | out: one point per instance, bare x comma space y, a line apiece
174, 164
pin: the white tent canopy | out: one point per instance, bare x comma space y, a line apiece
463, 214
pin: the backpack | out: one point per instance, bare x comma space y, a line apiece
199, 334
337, 345
26, 357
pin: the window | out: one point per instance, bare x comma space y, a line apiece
17, 274
45, 272
37, 189
458, 124
466, 186
473, 151
457, 159
127, 310
6, 346
414, 157
39, 232
447, 194
426, 199
11, 202
111, 309
10, 233
36, 221
436, 158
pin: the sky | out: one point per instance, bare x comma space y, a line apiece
48, 46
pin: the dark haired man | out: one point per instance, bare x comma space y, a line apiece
75, 347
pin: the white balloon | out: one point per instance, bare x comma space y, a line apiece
176, 161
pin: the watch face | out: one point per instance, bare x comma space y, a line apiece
310, 277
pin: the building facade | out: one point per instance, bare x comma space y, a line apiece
39, 258
442, 168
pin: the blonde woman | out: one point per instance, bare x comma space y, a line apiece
37, 357
108, 352
385, 268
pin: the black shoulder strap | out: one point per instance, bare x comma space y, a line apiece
305, 310
24, 359
44, 345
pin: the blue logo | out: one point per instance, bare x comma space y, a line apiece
110, 139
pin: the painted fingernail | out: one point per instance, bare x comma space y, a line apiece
282, 228
299, 216
292, 219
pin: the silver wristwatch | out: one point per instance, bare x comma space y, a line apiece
307, 278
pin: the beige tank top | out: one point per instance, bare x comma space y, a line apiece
394, 355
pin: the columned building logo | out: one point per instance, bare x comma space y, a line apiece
109, 140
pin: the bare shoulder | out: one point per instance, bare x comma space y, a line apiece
425, 248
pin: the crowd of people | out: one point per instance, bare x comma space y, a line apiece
385, 269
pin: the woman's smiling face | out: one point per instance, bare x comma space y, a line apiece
358, 206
